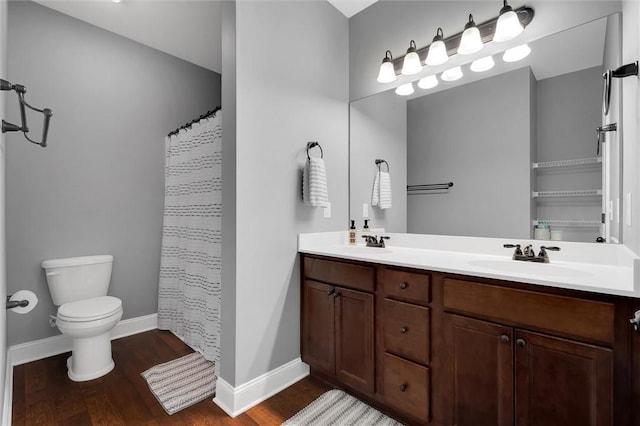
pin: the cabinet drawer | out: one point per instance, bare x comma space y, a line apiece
406, 330
345, 274
579, 318
406, 387
406, 285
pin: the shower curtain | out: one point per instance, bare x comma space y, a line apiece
189, 290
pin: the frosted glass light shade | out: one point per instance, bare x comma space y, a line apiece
452, 74
387, 72
405, 89
437, 54
482, 64
470, 42
428, 82
516, 53
411, 64
508, 26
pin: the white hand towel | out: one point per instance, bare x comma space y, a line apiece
314, 183
385, 190
375, 193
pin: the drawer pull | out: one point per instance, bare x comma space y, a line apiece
504, 338
521, 343
403, 330
403, 286
403, 387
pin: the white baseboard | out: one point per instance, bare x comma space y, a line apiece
235, 401
44, 348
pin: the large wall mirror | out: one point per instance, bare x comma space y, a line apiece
518, 142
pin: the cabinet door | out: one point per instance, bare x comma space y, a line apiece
354, 339
562, 382
318, 349
479, 366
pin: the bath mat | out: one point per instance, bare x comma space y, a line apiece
182, 382
336, 407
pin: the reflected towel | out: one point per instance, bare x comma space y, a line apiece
381, 193
314, 183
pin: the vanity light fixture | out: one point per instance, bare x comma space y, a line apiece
428, 82
482, 64
452, 74
116, 1
437, 50
516, 53
387, 72
411, 64
508, 26
470, 42
405, 89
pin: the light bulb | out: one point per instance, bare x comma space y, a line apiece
508, 26
470, 42
482, 64
516, 53
437, 54
428, 82
405, 89
411, 64
452, 74
387, 72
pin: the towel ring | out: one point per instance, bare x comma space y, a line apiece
379, 161
312, 145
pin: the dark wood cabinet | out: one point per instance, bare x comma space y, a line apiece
337, 333
503, 376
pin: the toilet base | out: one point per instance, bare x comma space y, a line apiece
90, 358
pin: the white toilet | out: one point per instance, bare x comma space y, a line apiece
79, 285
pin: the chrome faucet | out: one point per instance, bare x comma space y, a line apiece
373, 241
529, 255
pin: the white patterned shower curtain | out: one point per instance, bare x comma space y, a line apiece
189, 290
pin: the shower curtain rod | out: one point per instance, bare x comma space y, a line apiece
192, 122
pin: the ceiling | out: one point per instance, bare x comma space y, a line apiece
187, 29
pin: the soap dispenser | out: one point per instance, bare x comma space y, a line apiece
366, 232
352, 233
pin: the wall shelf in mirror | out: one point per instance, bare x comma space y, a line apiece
568, 163
573, 193
576, 223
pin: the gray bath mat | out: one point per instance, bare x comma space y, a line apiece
336, 407
182, 382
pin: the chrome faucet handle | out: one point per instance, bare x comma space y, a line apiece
382, 238
517, 252
543, 250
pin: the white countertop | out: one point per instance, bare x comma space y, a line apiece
599, 268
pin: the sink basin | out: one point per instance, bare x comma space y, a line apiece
529, 268
364, 250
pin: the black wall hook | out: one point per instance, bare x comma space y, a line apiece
10, 127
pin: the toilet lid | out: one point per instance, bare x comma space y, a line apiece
89, 309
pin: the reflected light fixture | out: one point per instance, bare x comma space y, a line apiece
428, 82
405, 89
411, 64
452, 74
387, 72
508, 26
516, 53
482, 64
116, 1
470, 42
437, 50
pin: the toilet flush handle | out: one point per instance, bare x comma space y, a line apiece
53, 273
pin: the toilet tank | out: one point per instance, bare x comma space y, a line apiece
78, 278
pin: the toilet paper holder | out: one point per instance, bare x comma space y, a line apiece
16, 303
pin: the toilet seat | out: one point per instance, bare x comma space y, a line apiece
89, 309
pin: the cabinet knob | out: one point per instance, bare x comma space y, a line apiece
635, 321
403, 387
521, 343
504, 338
403, 286
403, 330
335, 294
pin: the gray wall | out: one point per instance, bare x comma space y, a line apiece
391, 24
3, 266
98, 187
282, 103
478, 137
378, 129
569, 110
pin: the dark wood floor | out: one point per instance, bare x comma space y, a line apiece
44, 395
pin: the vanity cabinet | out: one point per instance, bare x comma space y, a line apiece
338, 321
